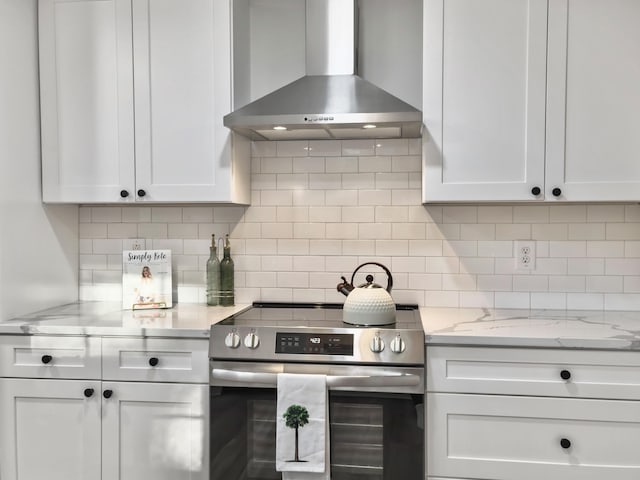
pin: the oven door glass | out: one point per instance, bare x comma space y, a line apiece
374, 436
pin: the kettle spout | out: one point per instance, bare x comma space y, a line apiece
344, 287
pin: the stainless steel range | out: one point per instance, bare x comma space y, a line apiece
375, 377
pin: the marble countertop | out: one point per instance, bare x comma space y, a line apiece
532, 328
109, 319
442, 326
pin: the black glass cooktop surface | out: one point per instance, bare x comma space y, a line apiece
315, 315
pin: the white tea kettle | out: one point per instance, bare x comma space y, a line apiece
369, 303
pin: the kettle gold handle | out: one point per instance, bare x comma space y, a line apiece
386, 270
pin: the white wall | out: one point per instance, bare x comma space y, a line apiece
321, 208
38, 244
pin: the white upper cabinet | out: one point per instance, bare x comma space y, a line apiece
593, 109
159, 68
529, 100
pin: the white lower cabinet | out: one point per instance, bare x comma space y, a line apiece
574, 429
99, 428
155, 431
50, 429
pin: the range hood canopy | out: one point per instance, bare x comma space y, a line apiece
330, 102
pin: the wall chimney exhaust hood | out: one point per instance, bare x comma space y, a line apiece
330, 101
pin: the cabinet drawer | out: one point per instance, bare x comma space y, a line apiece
49, 357
155, 360
542, 372
503, 438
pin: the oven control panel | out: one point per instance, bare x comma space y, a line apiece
314, 343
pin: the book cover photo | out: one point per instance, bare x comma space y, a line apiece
146, 279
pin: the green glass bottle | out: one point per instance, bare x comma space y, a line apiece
226, 276
213, 274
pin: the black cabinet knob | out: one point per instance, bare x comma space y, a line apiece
565, 443
556, 192
88, 392
46, 359
141, 193
107, 393
565, 374
124, 193
536, 191
153, 361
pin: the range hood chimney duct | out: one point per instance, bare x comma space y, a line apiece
330, 101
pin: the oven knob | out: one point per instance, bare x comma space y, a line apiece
232, 340
398, 345
377, 344
251, 340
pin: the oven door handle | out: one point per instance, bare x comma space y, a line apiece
387, 380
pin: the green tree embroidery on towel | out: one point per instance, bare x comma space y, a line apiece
296, 417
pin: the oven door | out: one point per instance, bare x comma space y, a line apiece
375, 415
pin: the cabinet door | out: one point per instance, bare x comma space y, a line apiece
153, 430
86, 95
484, 99
593, 100
531, 438
50, 430
182, 57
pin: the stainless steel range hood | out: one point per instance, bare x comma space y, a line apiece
330, 101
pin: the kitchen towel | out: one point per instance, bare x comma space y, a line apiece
302, 427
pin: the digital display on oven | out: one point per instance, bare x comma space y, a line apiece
314, 343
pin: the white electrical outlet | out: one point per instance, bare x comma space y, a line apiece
134, 244
525, 255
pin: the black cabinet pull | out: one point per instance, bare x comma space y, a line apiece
124, 193
153, 361
46, 359
88, 392
107, 393
565, 374
565, 443
536, 191
141, 193
556, 192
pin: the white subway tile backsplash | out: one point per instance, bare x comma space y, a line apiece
585, 301
512, 300
263, 149
122, 230
358, 148
293, 247
605, 213
106, 214
325, 148
296, 148
544, 231
321, 208
631, 284
309, 165
622, 266
621, 301
341, 164
495, 214
530, 214
557, 301
292, 181
609, 249
152, 230
392, 181
358, 181
408, 163
342, 231
622, 231
392, 147
359, 247
568, 214
374, 164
